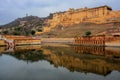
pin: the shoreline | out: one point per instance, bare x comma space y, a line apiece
67, 41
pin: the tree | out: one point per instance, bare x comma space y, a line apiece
18, 29
88, 33
39, 30
5, 32
32, 32
16, 33
27, 33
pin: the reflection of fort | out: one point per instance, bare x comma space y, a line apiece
27, 47
2, 49
101, 51
98, 60
83, 62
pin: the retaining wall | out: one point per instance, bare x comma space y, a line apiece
57, 40
27, 41
3, 43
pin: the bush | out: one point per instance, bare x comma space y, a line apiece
16, 33
32, 32
39, 30
5, 32
88, 33
18, 29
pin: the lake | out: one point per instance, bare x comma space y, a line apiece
59, 62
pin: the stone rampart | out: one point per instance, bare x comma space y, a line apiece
98, 15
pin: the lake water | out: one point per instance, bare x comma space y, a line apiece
59, 62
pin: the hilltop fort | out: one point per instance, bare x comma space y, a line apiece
98, 15
67, 23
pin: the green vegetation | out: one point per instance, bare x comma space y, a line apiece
16, 33
88, 33
27, 33
5, 32
24, 26
39, 30
18, 29
32, 32
31, 55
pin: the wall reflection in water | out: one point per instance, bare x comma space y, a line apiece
27, 53
98, 60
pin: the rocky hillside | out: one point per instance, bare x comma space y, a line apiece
23, 26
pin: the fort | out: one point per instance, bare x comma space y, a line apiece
98, 15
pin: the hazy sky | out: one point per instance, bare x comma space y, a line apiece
12, 9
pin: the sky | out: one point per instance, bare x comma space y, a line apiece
13, 9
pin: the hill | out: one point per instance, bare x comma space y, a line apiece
23, 26
71, 23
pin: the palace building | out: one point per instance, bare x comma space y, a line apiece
98, 15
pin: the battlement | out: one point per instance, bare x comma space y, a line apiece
83, 9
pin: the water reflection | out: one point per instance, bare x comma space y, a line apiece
113, 52
97, 60
84, 59
29, 53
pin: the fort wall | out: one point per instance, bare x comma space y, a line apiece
98, 15
3, 43
98, 40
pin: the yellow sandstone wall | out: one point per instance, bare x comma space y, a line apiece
102, 14
27, 41
12, 37
3, 43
